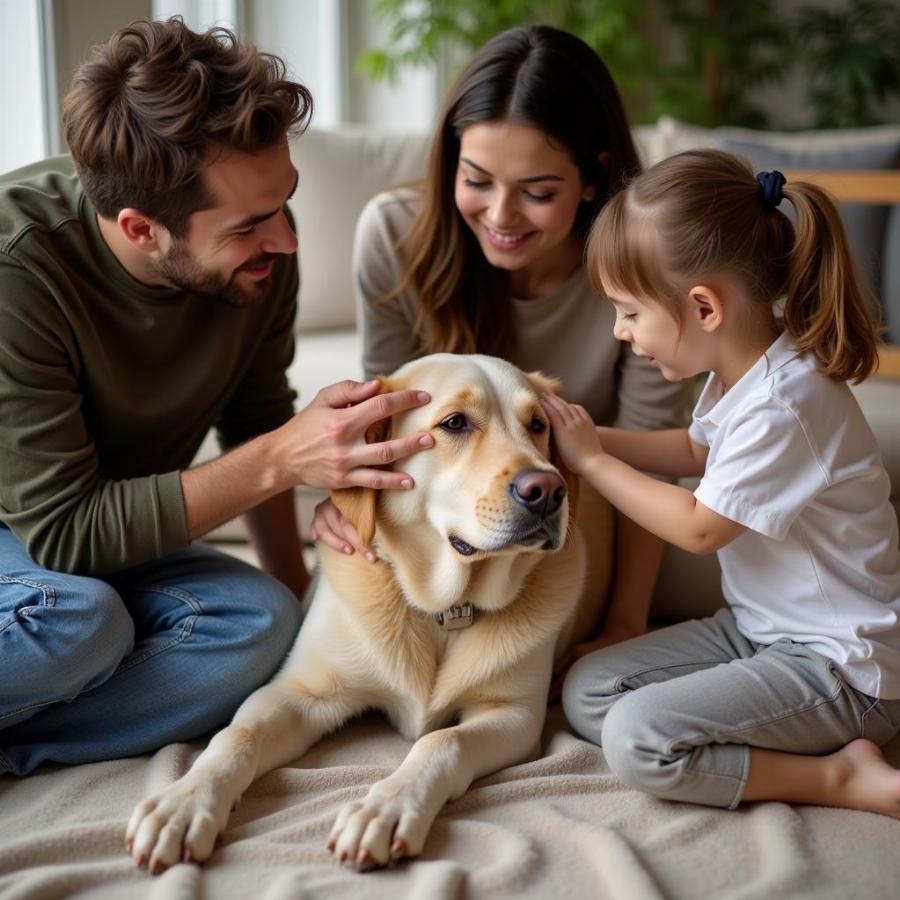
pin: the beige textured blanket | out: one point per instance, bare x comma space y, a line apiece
555, 828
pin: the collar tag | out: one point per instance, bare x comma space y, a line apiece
461, 615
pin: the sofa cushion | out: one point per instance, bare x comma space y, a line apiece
339, 171
676, 137
890, 276
878, 398
651, 144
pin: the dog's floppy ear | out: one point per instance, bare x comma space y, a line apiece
544, 384
357, 504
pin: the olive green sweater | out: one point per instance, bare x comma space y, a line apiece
108, 386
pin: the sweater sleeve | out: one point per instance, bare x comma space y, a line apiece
52, 494
389, 339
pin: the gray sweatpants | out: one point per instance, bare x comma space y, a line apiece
677, 710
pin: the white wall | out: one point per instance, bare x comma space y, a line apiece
24, 131
307, 36
320, 40
409, 105
198, 14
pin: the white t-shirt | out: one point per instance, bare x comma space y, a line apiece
792, 458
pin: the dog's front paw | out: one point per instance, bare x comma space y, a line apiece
386, 826
178, 824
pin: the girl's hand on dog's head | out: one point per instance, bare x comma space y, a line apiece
574, 432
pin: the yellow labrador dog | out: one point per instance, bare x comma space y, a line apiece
482, 578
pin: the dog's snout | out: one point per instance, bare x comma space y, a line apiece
540, 492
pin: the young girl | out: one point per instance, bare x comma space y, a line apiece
486, 255
787, 693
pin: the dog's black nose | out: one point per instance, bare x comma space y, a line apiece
540, 492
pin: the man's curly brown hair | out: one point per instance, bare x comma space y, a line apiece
151, 105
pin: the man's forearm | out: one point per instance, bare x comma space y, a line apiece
323, 445
224, 488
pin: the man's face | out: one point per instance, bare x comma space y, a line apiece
230, 249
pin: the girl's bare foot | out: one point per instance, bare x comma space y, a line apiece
863, 779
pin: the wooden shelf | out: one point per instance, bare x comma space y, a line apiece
889, 361
853, 186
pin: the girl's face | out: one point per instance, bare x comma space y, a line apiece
654, 332
519, 194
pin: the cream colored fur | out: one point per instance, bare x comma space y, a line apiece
473, 700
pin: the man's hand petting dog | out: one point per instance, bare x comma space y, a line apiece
324, 445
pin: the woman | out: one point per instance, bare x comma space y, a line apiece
485, 255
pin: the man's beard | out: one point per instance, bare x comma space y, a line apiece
180, 268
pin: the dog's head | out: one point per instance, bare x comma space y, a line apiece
492, 484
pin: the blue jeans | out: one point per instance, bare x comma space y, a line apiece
95, 669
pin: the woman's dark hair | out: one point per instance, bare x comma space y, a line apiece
536, 76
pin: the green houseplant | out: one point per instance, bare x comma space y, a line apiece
726, 50
851, 58
421, 31
702, 62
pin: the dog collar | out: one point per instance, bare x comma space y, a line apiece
460, 615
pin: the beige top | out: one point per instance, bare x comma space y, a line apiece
567, 334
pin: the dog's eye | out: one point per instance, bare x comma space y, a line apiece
537, 425
457, 422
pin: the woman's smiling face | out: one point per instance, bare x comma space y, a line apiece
519, 193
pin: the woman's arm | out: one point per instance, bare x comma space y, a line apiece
649, 416
639, 552
638, 557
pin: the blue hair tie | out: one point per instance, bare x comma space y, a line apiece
771, 184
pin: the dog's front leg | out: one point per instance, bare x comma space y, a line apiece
394, 818
275, 725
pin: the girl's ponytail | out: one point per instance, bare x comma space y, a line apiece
702, 213
825, 310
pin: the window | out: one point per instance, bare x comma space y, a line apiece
26, 127
42, 42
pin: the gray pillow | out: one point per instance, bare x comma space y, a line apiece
863, 148
890, 277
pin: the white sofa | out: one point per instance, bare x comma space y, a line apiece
340, 170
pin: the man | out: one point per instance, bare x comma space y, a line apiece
147, 292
